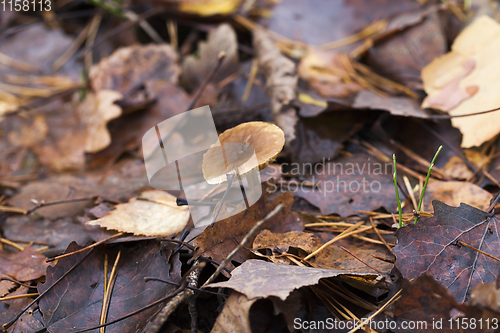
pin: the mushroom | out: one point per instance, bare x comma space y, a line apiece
246, 148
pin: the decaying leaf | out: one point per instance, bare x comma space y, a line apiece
349, 184
221, 39
325, 72
331, 257
433, 246
24, 265
76, 301
234, 316
131, 68
281, 82
258, 278
218, 242
154, 213
465, 81
427, 302
453, 193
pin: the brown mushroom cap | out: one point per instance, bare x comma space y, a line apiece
234, 151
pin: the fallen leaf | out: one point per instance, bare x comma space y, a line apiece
396, 105
235, 315
260, 279
25, 265
221, 39
426, 302
318, 22
454, 192
401, 57
129, 69
331, 257
76, 301
349, 184
486, 295
157, 214
218, 242
322, 137
281, 82
433, 246
8, 309
121, 183
466, 79
58, 233
325, 72
95, 112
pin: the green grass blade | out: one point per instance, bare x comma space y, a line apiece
394, 176
425, 183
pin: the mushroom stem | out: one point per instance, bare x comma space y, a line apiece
230, 177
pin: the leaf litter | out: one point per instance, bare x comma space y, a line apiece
349, 84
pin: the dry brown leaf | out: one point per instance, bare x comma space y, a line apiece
25, 265
158, 215
95, 112
28, 136
453, 193
456, 168
234, 317
325, 72
465, 80
258, 278
129, 69
221, 39
302, 240
281, 82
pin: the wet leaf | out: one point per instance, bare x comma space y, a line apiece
154, 213
433, 246
76, 301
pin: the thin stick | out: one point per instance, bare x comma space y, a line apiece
161, 300
106, 301
13, 320
85, 248
346, 233
461, 115
162, 316
493, 204
45, 204
199, 92
8, 298
361, 260
382, 308
242, 244
410, 191
426, 181
11, 243
471, 247
379, 235
70, 51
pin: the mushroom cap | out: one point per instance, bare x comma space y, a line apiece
241, 149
